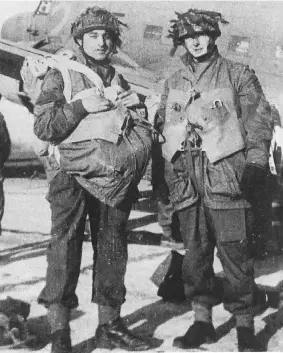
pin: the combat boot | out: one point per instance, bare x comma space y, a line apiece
167, 238
61, 342
58, 317
199, 333
247, 341
116, 335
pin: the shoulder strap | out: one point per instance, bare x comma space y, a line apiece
65, 65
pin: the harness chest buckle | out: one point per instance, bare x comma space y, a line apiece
217, 103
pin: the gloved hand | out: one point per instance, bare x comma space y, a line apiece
161, 192
129, 99
253, 177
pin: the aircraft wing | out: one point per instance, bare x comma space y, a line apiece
12, 56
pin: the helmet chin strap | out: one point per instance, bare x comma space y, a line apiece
210, 51
204, 57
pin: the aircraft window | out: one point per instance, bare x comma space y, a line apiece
153, 32
165, 40
239, 44
118, 14
116, 60
279, 51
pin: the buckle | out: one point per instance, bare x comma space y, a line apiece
217, 103
182, 146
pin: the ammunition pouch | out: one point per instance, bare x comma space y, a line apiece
214, 118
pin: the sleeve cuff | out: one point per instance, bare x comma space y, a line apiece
256, 158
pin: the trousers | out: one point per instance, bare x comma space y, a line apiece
70, 204
2, 198
165, 214
228, 231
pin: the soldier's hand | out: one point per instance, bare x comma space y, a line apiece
129, 99
93, 102
254, 177
160, 193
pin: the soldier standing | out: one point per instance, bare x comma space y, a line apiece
5, 148
217, 108
167, 207
96, 34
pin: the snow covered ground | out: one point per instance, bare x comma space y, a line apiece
23, 243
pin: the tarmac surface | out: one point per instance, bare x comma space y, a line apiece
24, 239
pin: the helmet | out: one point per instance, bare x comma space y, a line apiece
96, 18
195, 22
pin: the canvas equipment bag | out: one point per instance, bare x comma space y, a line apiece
13, 322
107, 169
168, 278
33, 72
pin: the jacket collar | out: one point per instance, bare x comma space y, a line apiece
188, 59
197, 69
104, 70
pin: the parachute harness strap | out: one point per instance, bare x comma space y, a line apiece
65, 65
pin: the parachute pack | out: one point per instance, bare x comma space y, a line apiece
108, 152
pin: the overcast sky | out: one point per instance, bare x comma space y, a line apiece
9, 8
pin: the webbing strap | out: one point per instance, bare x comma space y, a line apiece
64, 65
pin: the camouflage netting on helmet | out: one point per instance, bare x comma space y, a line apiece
194, 22
96, 18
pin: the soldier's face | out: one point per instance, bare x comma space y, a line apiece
198, 45
98, 44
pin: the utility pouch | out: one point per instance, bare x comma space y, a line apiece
168, 278
175, 127
215, 119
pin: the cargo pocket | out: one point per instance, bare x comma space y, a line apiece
233, 183
222, 180
231, 225
124, 164
178, 179
181, 188
88, 159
